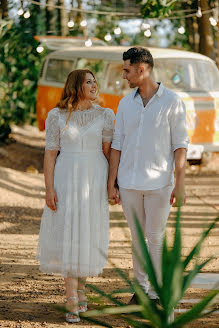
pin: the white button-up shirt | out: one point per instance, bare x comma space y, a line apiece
147, 138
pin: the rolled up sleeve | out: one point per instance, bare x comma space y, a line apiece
179, 136
118, 136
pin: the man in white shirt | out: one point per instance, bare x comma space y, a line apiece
150, 137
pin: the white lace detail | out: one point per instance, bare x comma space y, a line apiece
83, 117
52, 130
109, 118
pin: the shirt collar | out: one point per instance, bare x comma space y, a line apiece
158, 93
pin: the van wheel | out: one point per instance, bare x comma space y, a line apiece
206, 157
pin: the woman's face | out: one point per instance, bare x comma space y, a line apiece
89, 87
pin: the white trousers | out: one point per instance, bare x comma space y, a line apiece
152, 208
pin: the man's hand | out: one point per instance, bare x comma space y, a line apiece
51, 199
178, 196
113, 194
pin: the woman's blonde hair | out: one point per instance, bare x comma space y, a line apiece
73, 92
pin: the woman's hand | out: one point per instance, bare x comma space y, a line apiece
51, 199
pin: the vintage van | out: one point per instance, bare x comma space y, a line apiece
194, 77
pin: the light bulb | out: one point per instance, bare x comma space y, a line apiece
71, 23
88, 43
145, 26
39, 49
147, 33
27, 14
199, 12
20, 11
213, 21
108, 37
181, 30
117, 30
83, 23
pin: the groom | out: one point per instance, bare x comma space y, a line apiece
150, 138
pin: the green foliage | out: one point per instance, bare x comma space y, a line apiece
158, 8
170, 291
19, 68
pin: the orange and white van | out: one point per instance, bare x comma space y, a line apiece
194, 77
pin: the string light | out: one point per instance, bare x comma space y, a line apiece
145, 26
213, 21
88, 43
39, 49
83, 23
108, 37
124, 13
117, 30
181, 30
20, 11
71, 23
27, 14
199, 12
147, 33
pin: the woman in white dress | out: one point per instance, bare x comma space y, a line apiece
74, 230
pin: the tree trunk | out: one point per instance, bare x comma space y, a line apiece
206, 43
62, 19
79, 17
51, 18
190, 27
4, 9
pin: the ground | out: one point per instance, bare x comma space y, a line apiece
27, 296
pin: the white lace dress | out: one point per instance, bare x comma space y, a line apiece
74, 239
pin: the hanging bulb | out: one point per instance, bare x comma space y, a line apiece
88, 43
181, 30
27, 14
117, 30
20, 11
147, 33
83, 23
199, 12
108, 37
71, 23
39, 49
145, 26
213, 21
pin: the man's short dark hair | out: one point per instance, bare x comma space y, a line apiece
139, 55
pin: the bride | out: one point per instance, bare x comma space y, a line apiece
73, 239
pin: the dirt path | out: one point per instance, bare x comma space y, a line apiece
27, 295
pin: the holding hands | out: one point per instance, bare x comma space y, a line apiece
113, 194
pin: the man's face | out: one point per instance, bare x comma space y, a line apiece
131, 73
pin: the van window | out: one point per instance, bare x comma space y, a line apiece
95, 66
181, 74
58, 70
115, 83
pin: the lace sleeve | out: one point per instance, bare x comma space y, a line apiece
52, 130
109, 118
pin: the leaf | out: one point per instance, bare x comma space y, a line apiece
173, 273
134, 323
98, 322
113, 310
187, 280
196, 248
150, 310
195, 312
145, 259
102, 293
